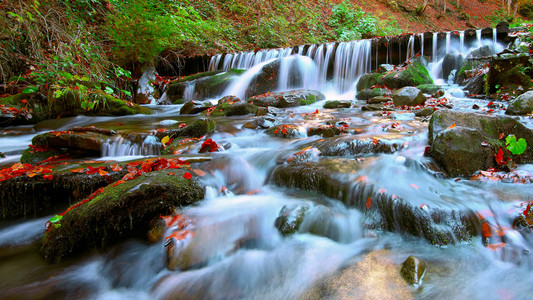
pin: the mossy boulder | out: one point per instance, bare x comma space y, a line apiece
197, 129
206, 85
429, 88
353, 146
332, 104
408, 96
33, 109
30, 156
413, 74
287, 131
287, 99
261, 123
522, 105
367, 94
195, 107
32, 197
89, 141
324, 130
232, 106
462, 143
368, 80
509, 71
69, 103
119, 212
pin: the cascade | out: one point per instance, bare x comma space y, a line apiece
421, 43
448, 41
434, 53
478, 38
494, 36
387, 60
238, 87
352, 59
461, 41
189, 93
120, 146
410, 47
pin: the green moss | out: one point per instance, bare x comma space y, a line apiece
429, 88
31, 157
14, 100
368, 80
198, 128
199, 75
310, 99
467, 65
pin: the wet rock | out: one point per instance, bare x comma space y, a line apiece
474, 85
194, 107
118, 213
289, 220
367, 94
206, 85
338, 104
429, 88
33, 197
323, 221
325, 131
86, 141
352, 146
522, 105
377, 107
424, 112
379, 99
35, 102
413, 74
287, 99
270, 110
413, 270
451, 62
462, 143
335, 178
73, 102
286, 131
368, 80
198, 128
233, 108
261, 123
409, 96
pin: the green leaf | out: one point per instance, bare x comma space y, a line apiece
514, 146
30, 90
109, 90
56, 219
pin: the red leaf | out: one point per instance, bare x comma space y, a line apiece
525, 212
116, 168
208, 145
368, 203
48, 177
414, 186
182, 125
187, 175
118, 182
499, 157
501, 136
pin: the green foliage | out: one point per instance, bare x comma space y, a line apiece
514, 146
350, 23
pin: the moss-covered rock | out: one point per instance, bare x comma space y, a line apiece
509, 70
30, 156
462, 143
71, 102
408, 96
233, 108
522, 105
353, 146
367, 94
287, 99
32, 108
198, 128
195, 107
413, 74
289, 220
368, 80
429, 88
324, 130
86, 141
287, 131
119, 212
332, 104
206, 85
413, 270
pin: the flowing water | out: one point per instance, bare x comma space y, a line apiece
237, 252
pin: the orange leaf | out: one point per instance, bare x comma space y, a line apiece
368, 203
451, 126
116, 168
118, 182
170, 173
362, 178
187, 175
198, 172
31, 175
414, 186
102, 173
79, 170
485, 230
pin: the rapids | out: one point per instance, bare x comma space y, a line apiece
242, 254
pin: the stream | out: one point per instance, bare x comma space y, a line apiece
238, 253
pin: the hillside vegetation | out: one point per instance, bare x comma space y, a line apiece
60, 42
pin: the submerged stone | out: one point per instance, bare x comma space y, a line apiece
199, 128
194, 107
413, 270
119, 212
338, 104
287, 131
287, 99
522, 105
289, 220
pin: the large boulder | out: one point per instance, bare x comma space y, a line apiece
522, 105
412, 74
197, 129
367, 94
87, 139
119, 212
462, 143
287, 99
408, 96
510, 71
206, 85
232, 106
194, 107
337, 104
474, 85
451, 62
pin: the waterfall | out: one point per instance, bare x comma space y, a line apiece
421, 43
297, 71
448, 41
434, 53
190, 90
387, 60
238, 87
120, 146
461, 41
494, 36
352, 59
410, 47
478, 37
